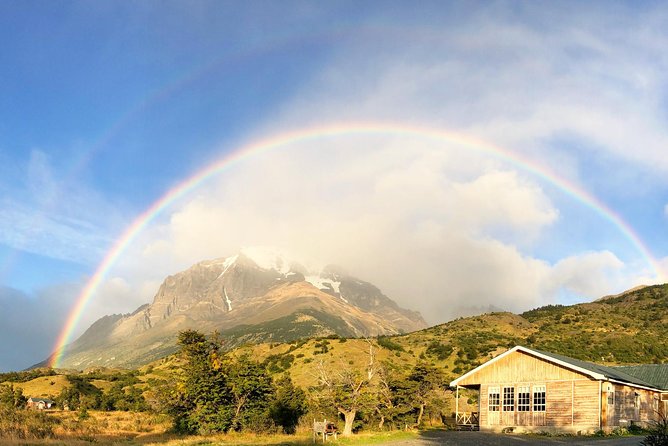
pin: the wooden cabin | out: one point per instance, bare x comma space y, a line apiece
530, 390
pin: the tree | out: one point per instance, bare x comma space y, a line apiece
395, 403
348, 390
424, 380
79, 393
289, 405
216, 393
11, 397
200, 402
251, 391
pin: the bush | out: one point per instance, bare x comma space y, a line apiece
25, 424
443, 351
387, 343
657, 434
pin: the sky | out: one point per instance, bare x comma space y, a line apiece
486, 155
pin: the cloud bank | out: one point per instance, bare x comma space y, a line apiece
437, 229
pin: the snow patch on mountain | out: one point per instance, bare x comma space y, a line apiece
325, 284
227, 299
229, 261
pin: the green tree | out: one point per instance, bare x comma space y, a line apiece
348, 390
395, 405
201, 400
424, 381
251, 390
11, 397
289, 405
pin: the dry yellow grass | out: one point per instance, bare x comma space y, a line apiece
45, 386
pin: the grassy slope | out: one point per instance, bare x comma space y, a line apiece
626, 329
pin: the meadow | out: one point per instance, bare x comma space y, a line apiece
132, 428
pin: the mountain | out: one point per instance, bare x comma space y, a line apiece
257, 295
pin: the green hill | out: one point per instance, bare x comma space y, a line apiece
631, 328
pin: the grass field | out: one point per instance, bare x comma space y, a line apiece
142, 429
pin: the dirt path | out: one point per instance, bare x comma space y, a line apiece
453, 438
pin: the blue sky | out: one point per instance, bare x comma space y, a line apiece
106, 106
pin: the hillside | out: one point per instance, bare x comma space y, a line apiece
626, 329
631, 328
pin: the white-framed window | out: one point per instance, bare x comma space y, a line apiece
494, 398
523, 399
508, 399
539, 398
611, 395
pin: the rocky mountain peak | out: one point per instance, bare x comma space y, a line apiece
252, 288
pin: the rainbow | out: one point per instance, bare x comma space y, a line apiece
320, 132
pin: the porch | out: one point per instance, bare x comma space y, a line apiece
467, 415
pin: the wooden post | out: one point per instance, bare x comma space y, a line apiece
604, 408
457, 407
572, 403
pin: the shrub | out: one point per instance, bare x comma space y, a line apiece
657, 434
25, 425
387, 343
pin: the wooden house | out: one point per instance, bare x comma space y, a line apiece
530, 390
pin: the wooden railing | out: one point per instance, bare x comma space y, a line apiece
467, 419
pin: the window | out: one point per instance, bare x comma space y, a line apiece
611, 396
494, 399
539, 398
523, 399
508, 399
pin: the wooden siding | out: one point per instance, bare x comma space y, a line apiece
520, 367
574, 401
627, 408
568, 404
585, 404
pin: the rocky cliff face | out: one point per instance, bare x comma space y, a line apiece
258, 291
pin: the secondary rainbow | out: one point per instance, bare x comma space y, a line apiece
330, 131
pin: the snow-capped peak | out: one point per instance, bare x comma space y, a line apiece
268, 258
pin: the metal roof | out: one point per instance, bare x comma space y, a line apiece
655, 374
609, 372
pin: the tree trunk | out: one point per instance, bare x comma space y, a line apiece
381, 422
419, 419
349, 416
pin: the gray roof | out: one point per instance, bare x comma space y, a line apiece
41, 400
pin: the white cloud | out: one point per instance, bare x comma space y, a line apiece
432, 234
54, 215
588, 274
439, 225
593, 80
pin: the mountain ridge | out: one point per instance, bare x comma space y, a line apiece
252, 287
